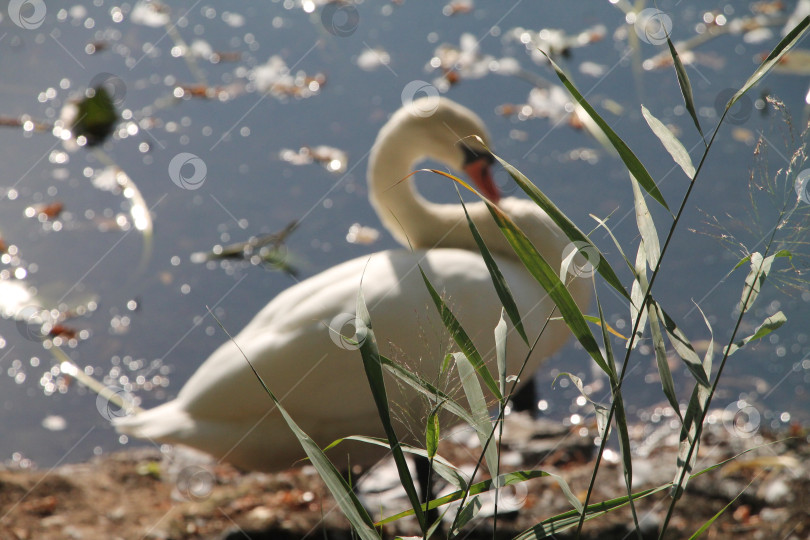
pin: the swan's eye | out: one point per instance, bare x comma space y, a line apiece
471, 155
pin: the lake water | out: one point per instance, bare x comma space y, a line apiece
145, 325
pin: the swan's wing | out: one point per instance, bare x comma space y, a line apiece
290, 343
319, 378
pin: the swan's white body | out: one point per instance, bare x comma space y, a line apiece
224, 411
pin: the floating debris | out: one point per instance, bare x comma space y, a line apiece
592, 69
62, 331
588, 155
334, 160
743, 135
23, 303
202, 49
45, 212
234, 20
54, 423
274, 78
758, 35
466, 61
26, 123
457, 7
15, 295
95, 47
554, 103
266, 249
310, 6
152, 14
113, 178
360, 234
371, 59
220, 93
553, 41
769, 7
752, 28
87, 121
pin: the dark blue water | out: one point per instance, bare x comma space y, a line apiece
148, 327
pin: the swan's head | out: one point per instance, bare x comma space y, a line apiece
440, 129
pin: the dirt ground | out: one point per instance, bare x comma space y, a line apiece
143, 494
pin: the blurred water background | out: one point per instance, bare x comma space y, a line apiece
251, 90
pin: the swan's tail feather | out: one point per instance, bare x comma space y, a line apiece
109, 394
165, 423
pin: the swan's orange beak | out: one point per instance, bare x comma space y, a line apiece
480, 173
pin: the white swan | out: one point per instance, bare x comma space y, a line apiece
224, 411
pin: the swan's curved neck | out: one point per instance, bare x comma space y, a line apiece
409, 217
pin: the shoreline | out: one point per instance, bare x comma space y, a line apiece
141, 493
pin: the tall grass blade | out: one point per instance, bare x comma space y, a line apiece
575, 502
467, 514
501, 287
566, 520
478, 408
709, 356
638, 292
670, 142
630, 160
433, 528
503, 480
768, 325
556, 524
461, 338
444, 468
603, 223
349, 504
432, 432
772, 59
426, 388
646, 227
548, 279
561, 220
667, 383
500, 353
720, 512
747, 259
690, 429
683, 347
374, 372
689, 440
621, 421
760, 268
600, 410
686, 91
595, 320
